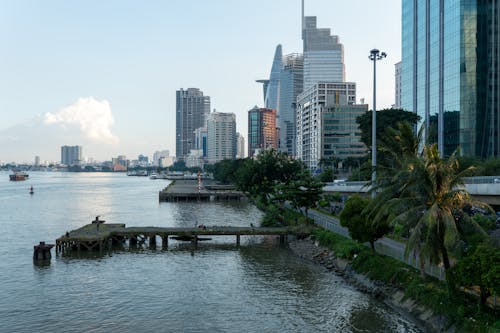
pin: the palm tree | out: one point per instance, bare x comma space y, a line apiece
427, 195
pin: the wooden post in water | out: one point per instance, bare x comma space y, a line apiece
238, 239
132, 242
152, 242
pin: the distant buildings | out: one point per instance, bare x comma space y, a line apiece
158, 155
71, 155
397, 85
450, 66
200, 135
221, 136
192, 108
119, 163
326, 123
240, 146
262, 131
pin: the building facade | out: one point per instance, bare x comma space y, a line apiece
262, 130
326, 123
450, 59
240, 146
323, 54
221, 136
192, 109
397, 85
71, 155
200, 135
291, 85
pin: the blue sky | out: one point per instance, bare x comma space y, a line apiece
134, 55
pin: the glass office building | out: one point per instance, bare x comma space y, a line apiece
291, 85
450, 73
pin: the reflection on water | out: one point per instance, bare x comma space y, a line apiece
219, 287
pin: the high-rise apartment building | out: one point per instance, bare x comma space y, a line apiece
397, 85
71, 155
450, 65
326, 123
192, 108
221, 136
291, 85
323, 54
262, 130
240, 146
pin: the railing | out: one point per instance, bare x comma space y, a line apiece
385, 246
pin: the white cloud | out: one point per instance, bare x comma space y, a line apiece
92, 116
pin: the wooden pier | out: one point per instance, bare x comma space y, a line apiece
192, 190
102, 236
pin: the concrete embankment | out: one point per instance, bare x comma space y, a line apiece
312, 251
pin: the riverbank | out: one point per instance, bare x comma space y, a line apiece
311, 250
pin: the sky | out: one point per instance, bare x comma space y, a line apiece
103, 74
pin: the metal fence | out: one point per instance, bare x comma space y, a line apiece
385, 246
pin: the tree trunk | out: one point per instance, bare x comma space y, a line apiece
450, 281
372, 245
483, 296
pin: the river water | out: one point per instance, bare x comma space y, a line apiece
257, 287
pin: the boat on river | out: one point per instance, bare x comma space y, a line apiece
18, 175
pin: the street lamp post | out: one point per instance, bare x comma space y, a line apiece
374, 56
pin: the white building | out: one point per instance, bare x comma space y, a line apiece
240, 146
158, 155
397, 85
221, 136
326, 123
194, 159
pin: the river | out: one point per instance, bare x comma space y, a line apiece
257, 287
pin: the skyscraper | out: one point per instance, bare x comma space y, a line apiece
291, 85
450, 59
397, 85
323, 53
221, 136
262, 131
240, 146
192, 108
71, 155
272, 98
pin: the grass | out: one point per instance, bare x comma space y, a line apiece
433, 294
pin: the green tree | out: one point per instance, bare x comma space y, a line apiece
361, 228
480, 268
427, 195
303, 192
260, 176
385, 118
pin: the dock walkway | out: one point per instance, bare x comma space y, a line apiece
97, 237
189, 190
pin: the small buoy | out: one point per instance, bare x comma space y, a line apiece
31, 190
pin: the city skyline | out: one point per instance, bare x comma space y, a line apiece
117, 65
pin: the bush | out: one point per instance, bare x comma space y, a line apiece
341, 246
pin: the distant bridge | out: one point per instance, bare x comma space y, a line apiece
485, 189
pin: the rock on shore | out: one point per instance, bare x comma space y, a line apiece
312, 251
